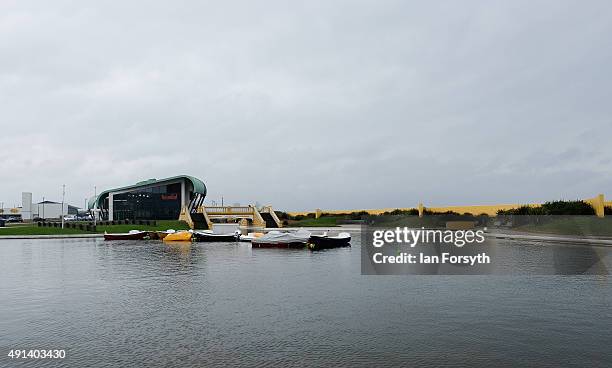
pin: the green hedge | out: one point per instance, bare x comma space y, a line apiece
557, 208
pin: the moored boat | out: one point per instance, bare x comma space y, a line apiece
132, 235
178, 236
325, 241
276, 239
208, 236
162, 234
152, 235
250, 237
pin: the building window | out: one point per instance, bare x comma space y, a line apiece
160, 203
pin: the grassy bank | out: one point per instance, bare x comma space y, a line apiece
586, 226
35, 230
325, 221
554, 225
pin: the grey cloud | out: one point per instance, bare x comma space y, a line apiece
337, 104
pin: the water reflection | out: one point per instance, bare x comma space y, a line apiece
572, 260
507, 257
191, 305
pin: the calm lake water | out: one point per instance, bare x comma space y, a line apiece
146, 304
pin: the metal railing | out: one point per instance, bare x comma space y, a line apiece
228, 210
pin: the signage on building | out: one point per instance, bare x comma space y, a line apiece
169, 197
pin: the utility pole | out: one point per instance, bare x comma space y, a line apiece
95, 205
63, 197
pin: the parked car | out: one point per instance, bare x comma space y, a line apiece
13, 219
70, 218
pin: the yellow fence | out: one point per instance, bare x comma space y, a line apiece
597, 202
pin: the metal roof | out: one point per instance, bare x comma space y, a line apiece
198, 187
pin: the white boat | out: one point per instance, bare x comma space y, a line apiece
209, 236
250, 237
131, 235
276, 239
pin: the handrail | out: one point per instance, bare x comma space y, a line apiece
229, 210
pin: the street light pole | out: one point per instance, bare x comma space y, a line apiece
95, 204
63, 197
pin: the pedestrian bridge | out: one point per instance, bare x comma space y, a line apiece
203, 217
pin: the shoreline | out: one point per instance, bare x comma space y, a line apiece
552, 238
55, 236
517, 236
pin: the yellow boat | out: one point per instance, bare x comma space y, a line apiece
162, 234
178, 236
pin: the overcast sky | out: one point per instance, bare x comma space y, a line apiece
303, 105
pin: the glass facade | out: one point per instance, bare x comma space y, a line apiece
160, 202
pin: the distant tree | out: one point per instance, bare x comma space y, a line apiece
282, 215
568, 208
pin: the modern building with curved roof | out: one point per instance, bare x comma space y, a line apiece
153, 199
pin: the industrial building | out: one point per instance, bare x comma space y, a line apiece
47, 210
52, 210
